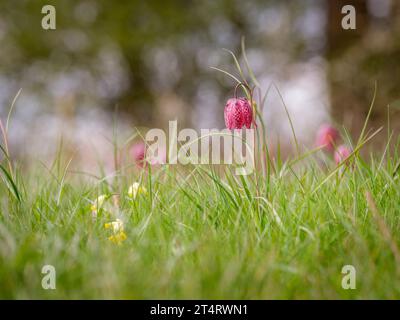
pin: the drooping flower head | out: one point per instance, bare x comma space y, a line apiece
238, 113
341, 154
139, 153
327, 137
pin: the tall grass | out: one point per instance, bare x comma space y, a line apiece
205, 235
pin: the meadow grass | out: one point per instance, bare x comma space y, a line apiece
202, 233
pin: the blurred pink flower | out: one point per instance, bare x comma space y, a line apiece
327, 137
142, 156
139, 153
341, 154
238, 113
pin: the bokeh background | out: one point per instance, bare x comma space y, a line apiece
141, 63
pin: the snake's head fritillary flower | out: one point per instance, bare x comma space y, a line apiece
136, 189
238, 113
327, 137
341, 154
139, 153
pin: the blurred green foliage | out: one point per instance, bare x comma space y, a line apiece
135, 30
131, 53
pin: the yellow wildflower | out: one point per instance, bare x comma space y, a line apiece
117, 227
118, 238
136, 189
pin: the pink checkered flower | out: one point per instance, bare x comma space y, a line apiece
238, 113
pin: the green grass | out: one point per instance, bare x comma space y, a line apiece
202, 234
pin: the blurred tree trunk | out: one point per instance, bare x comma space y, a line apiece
359, 58
345, 104
338, 38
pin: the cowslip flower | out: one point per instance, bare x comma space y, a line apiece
341, 154
136, 189
119, 234
238, 113
327, 137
